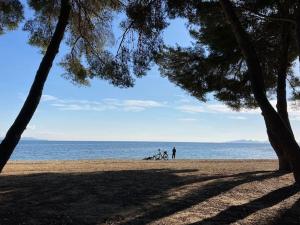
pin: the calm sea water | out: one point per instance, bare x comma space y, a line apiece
74, 150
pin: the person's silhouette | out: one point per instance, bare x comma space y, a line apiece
173, 153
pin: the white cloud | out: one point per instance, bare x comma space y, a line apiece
134, 109
293, 110
131, 105
220, 108
184, 101
187, 119
184, 105
46, 98
191, 109
294, 118
142, 103
214, 108
237, 117
31, 127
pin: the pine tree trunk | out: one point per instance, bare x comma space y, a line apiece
283, 65
281, 92
283, 162
277, 126
298, 28
289, 154
14, 133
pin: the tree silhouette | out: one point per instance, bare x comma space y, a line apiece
86, 26
11, 14
217, 65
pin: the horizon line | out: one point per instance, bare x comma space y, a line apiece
170, 141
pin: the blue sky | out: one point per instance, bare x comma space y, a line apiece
154, 110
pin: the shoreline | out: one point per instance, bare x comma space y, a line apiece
137, 160
65, 166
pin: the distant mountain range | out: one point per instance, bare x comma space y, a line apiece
31, 139
27, 139
243, 141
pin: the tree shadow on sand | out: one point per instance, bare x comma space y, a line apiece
290, 216
207, 191
235, 213
108, 197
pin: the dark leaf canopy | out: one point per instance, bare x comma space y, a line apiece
92, 46
11, 14
215, 64
87, 36
144, 22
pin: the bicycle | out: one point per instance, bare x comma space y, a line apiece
158, 156
162, 156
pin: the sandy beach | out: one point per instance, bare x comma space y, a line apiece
147, 192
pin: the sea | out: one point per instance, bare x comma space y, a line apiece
81, 150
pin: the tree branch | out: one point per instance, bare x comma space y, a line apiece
128, 28
281, 19
123, 36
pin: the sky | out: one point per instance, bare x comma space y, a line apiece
153, 110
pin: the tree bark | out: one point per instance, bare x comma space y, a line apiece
281, 105
281, 94
298, 28
283, 162
14, 133
277, 126
283, 65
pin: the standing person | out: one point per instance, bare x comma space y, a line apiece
173, 153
